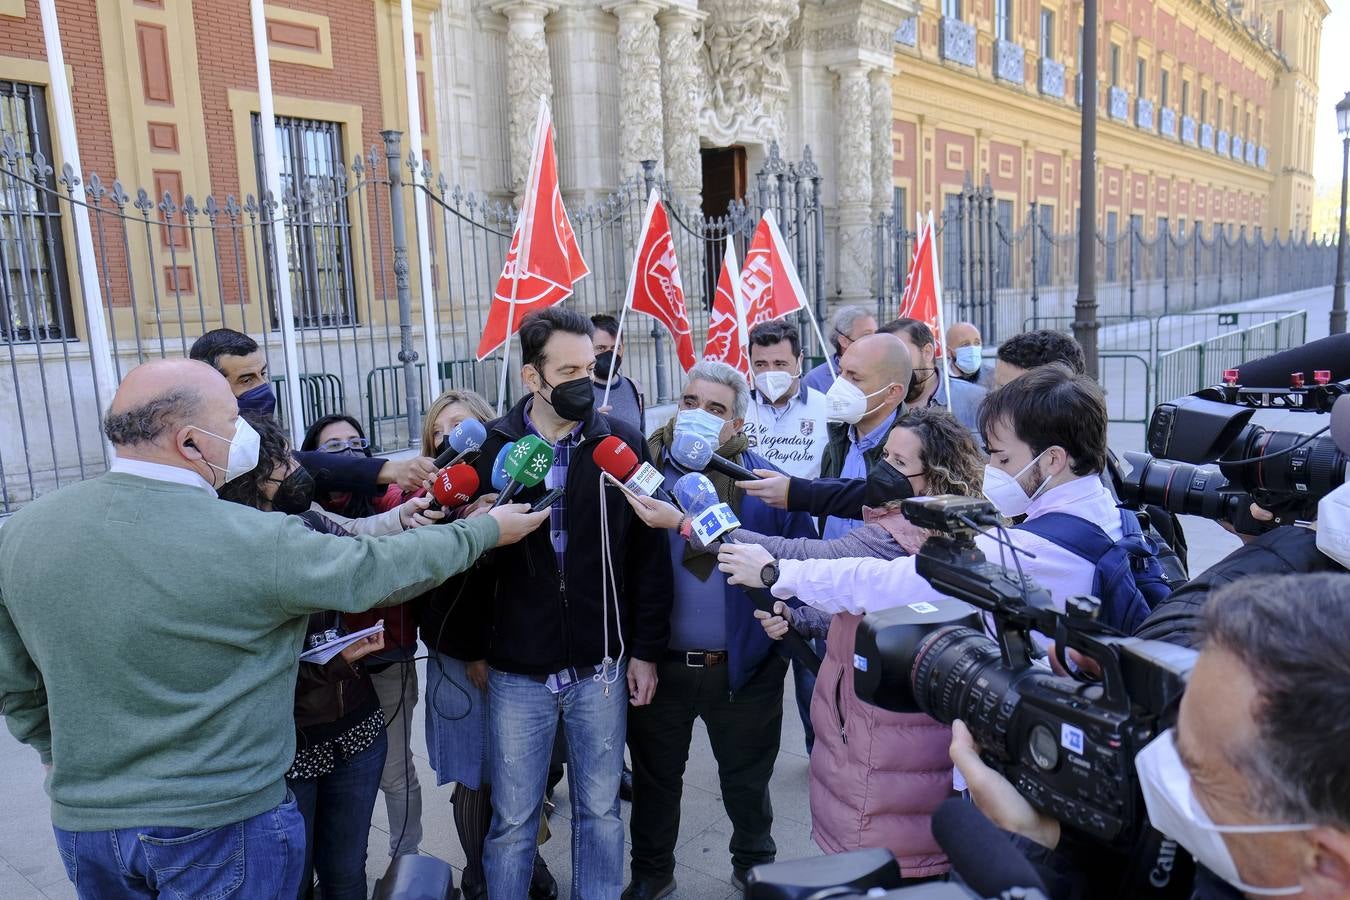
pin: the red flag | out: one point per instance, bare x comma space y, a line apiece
543, 261
769, 283
728, 336
654, 285
923, 291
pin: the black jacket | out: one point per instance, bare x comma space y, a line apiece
543, 622
832, 460
841, 497
340, 472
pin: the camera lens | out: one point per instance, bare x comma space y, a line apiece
1178, 487
1313, 468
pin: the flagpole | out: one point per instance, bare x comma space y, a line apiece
941, 318
523, 250
653, 197
618, 339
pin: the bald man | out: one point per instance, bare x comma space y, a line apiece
149, 640
965, 355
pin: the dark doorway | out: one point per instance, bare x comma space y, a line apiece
724, 180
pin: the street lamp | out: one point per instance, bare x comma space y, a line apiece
1338, 295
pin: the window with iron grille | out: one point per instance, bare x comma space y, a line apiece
952, 241
313, 206
1045, 250
34, 289
1047, 46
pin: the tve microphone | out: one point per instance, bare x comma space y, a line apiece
979, 852
454, 486
464, 440
695, 454
614, 456
1330, 354
526, 465
711, 520
499, 477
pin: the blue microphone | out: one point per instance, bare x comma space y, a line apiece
464, 440
694, 453
499, 477
695, 492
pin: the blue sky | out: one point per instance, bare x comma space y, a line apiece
1333, 81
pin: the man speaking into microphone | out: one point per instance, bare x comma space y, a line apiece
720, 667
580, 615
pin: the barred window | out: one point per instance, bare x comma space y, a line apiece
313, 205
34, 288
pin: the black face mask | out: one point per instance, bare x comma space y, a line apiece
606, 364
572, 400
886, 483
295, 493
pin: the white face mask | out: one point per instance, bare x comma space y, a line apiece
244, 447
968, 359
1333, 525
1005, 491
774, 384
845, 402
1173, 810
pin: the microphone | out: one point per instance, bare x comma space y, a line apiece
499, 476
454, 486
711, 520
464, 439
695, 454
1330, 354
980, 853
614, 456
525, 466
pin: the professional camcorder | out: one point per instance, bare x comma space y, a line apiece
1067, 742
1206, 458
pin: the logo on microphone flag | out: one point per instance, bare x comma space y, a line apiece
654, 285
543, 261
923, 291
728, 337
769, 284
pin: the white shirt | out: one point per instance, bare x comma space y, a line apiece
866, 585
160, 472
793, 436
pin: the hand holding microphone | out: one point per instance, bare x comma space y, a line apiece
525, 466
453, 487
463, 441
637, 479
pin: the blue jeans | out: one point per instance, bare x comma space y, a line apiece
805, 684
261, 858
337, 809
522, 720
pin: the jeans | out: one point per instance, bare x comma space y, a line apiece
804, 681
522, 719
337, 809
396, 687
744, 730
260, 858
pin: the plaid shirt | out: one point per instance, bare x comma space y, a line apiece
557, 530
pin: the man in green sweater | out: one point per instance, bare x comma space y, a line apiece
149, 637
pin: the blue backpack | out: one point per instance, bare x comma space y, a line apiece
1128, 576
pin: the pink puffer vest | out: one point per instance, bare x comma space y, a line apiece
876, 776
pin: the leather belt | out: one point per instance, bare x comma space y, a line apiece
697, 659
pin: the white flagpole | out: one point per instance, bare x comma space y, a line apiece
430, 325
780, 249
939, 365
524, 223
95, 323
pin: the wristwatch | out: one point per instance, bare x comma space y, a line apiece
769, 574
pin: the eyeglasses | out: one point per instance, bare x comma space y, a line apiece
337, 445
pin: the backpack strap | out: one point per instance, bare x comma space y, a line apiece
1077, 535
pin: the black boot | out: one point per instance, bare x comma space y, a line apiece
543, 886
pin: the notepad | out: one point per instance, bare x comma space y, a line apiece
324, 652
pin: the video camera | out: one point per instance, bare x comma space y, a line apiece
1206, 458
1066, 742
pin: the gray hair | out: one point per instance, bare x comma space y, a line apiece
149, 421
845, 317
1289, 632
721, 373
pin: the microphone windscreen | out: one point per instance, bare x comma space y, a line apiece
499, 476
613, 455
695, 493
1340, 423
529, 460
455, 486
980, 853
1329, 353
691, 452
465, 437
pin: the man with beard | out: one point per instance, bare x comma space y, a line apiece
929, 385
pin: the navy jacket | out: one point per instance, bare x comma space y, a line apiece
839, 497
340, 472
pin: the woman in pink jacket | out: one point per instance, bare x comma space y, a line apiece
876, 775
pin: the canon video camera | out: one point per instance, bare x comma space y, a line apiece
1067, 743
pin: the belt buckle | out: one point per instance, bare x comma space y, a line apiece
701, 664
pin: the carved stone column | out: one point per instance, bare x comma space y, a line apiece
640, 119
853, 107
883, 149
682, 91
527, 77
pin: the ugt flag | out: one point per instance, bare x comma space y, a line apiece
654, 285
769, 284
544, 261
728, 336
921, 299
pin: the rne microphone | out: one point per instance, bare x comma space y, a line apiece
463, 441
619, 461
696, 454
526, 465
454, 486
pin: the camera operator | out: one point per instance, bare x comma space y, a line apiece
1252, 780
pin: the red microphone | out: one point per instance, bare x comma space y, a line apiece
614, 456
454, 486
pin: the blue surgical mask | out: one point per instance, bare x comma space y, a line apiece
968, 359
701, 424
260, 399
